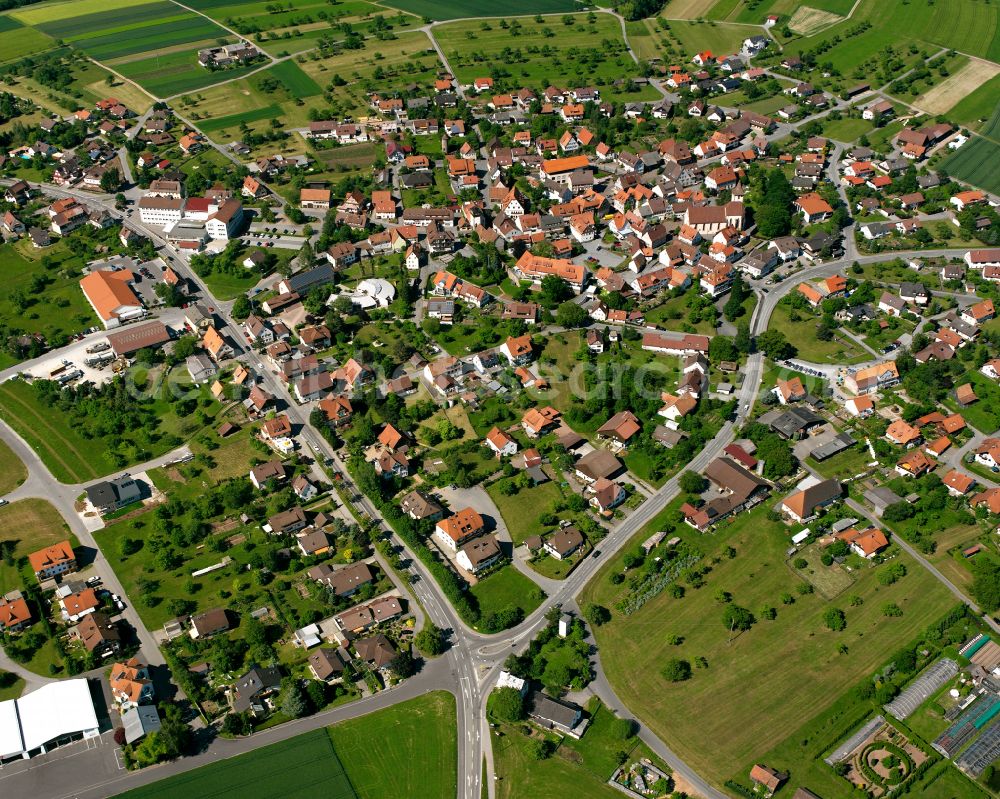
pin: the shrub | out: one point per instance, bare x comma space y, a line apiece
676, 670
834, 619
506, 704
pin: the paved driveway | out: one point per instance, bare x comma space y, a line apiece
477, 499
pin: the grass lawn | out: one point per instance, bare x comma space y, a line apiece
844, 464
556, 569
697, 36
227, 286
45, 656
349, 158
376, 749
952, 539
12, 471
231, 459
749, 671
506, 588
31, 524
846, 129
947, 781
521, 511
42, 291
577, 768
301, 767
673, 315
69, 456
829, 581
802, 334
984, 415
12, 691
521, 775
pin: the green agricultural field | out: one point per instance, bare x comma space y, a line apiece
174, 73
539, 55
375, 748
150, 37
748, 671
969, 26
45, 13
235, 120
975, 109
12, 471
755, 13
507, 588
42, 292
299, 768
31, 524
16, 43
88, 22
449, 9
297, 82
978, 160
300, 14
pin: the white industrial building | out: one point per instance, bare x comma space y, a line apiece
55, 714
217, 220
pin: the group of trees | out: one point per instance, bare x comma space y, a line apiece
779, 461
104, 414
557, 663
773, 212
174, 739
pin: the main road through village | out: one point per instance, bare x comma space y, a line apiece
468, 669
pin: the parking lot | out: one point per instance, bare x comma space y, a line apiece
73, 354
76, 352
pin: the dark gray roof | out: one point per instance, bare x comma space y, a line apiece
101, 494
547, 710
830, 448
252, 684
312, 277
882, 497
794, 421
416, 180
140, 721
